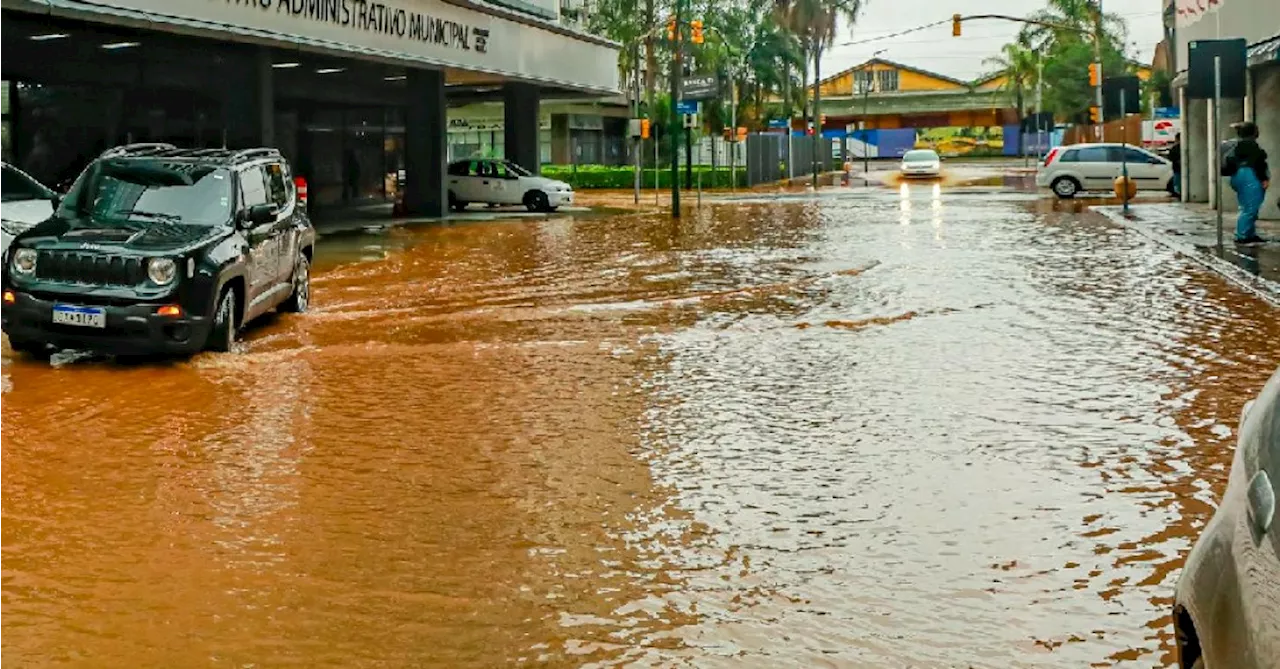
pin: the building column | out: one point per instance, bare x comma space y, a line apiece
1198, 161
248, 102
426, 137
1232, 112
1266, 98
520, 107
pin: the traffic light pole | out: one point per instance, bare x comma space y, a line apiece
677, 73
1097, 89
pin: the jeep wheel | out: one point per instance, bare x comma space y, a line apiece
223, 333
536, 200
1065, 187
301, 296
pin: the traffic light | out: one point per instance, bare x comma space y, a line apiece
955, 25
1094, 115
822, 120
644, 128
671, 30
695, 31
1094, 75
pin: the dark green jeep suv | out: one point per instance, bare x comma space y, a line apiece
157, 249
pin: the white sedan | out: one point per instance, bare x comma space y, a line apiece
499, 182
921, 163
26, 203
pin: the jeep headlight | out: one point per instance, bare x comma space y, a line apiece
161, 271
24, 261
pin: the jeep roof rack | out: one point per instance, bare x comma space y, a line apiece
141, 147
250, 154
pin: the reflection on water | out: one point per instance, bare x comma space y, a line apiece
974, 430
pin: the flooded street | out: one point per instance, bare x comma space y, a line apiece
917, 426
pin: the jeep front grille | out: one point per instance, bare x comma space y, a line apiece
90, 268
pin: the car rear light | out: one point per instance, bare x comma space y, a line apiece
1053, 153
301, 185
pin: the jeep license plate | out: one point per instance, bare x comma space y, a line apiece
85, 317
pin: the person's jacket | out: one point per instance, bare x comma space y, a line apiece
1175, 156
1249, 154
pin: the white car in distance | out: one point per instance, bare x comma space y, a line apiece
1068, 170
502, 182
921, 163
26, 203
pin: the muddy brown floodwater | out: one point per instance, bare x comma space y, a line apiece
907, 427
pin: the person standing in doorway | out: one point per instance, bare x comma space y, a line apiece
350, 177
1246, 164
1175, 157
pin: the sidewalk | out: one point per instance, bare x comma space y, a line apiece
1191, 229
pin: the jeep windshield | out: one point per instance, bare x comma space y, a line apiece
138, 192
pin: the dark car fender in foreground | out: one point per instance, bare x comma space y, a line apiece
1227, 599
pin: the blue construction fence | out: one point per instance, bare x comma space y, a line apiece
893, 143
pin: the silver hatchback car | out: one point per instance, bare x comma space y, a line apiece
1226, 612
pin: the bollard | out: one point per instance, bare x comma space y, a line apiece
1119, 187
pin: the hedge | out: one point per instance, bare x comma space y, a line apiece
607, 176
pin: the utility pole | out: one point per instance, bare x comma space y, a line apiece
677, 72
733, 134
787, 106
635, 114
1040, 143
1097, 59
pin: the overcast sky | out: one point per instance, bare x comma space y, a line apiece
961, 57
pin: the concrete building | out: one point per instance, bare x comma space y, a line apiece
352, 91
1258, 22
586, 132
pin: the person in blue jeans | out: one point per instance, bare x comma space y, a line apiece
1246, 164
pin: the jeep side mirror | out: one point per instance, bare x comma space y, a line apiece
261, 213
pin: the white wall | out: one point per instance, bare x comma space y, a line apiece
1254, 20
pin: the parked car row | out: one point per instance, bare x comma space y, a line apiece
155, 249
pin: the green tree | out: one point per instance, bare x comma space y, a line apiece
1068, 35
813, 23
1019, 65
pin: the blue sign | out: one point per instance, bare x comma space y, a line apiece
687, 107
777, 123
1168, 112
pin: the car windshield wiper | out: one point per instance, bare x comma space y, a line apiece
150, 214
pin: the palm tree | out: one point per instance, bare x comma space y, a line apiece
1018, 65
1072, 20
813, 22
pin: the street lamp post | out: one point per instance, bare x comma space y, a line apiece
677, 73
865, 85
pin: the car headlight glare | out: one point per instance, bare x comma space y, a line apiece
161, 271
24, 261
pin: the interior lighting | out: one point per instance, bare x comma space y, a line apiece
284, 66
48, 36
112, 46
330, 70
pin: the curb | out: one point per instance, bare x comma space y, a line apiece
1265, 289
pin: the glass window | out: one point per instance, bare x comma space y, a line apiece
1069, 156
1138, 156
920, 156
132, 193
253, 190
18, 186
278, 185
1093, 154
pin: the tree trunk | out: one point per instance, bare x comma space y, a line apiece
817, 113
